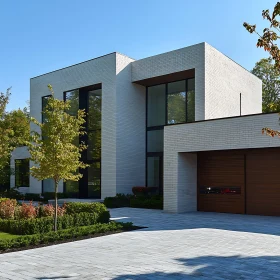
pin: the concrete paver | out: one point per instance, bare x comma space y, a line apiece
173, 246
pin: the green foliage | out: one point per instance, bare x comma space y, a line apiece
268, 41
153, 202
50, 195
53, 149
66, 234
54, 154
140, 191
270, 76
14, 130
80, 207
45, 224
120, 200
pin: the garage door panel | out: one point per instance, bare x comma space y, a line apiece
221, 171
263, 182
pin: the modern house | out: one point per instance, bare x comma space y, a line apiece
187, 121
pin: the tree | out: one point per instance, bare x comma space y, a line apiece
270, 76
268, 40
14, 130
53, 149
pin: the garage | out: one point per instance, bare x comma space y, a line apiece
239, 181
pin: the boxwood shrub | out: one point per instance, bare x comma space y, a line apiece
45, 224
120, 200
36, 239
82, 207
153, 202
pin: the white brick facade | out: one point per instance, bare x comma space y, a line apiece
218, 83
181, 142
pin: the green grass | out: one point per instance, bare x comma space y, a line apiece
4, 236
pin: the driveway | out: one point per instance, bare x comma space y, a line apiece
174, 246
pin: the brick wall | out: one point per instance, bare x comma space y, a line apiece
222, 134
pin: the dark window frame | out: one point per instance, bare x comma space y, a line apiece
42, 106
21, 174
161, 127
83, 104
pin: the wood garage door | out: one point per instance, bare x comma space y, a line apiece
221, 180
263, 182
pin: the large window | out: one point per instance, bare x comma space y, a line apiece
89, 99
169, 103
21, 173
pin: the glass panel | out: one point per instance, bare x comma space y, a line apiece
176, 102
72, 188
44, 104
22, 173
156, 105
153, 173
48, 185
94, 180
155, 141
176, 106
73, 98
191, 101
94, 109
94, 145
176, 87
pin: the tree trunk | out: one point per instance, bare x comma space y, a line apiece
55, 206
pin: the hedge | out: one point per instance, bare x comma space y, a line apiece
154, 202
149, 202
37, 239
81, 207
120, 200
45, 224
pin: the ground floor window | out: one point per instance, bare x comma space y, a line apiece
21, 173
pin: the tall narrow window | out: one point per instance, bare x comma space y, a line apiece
22, 173
191, 101
156, 106
44, 104
176, 102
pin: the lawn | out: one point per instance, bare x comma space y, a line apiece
4, 236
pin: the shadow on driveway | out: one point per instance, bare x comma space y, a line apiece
214, 267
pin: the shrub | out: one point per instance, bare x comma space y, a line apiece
45, 224
32, 196
24, 241
79, 207
153, 202
7, 208
120, 200
50, 195
27, 211
12, 194
142, 191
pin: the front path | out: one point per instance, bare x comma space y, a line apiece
174, 246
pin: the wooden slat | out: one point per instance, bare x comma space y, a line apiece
221, 169
263, 182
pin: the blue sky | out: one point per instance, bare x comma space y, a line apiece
42, 36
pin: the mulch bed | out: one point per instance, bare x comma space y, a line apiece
69, 240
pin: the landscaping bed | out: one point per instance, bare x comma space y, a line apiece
24, 226
137, 200
18, 243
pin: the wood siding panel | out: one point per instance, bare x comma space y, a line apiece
263, 182
221, 169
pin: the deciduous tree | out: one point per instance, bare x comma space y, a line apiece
270, 76
268, 40
53, 150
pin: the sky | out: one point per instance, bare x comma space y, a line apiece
41, 36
